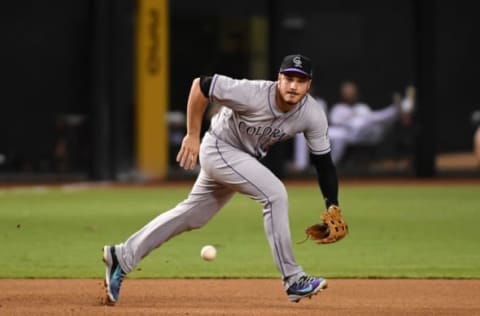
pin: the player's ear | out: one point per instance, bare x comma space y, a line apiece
279, 76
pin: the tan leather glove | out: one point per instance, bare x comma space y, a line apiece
332, 229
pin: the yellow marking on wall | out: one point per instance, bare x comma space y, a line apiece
152, 88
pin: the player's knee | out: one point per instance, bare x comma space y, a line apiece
197, 221
280, 196
195, 225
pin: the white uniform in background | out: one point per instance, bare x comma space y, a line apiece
358, 124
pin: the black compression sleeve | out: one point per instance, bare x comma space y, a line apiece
205, 82
327, 178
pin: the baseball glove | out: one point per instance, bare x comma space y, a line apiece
332, 228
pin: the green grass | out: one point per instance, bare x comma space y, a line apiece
405, 231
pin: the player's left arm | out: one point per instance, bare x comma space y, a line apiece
327, 178
332, 226
316, 134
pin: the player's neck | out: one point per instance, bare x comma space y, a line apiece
282, 105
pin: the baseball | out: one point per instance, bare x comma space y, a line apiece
208, 253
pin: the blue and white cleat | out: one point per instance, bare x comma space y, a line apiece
306, 287
114, 275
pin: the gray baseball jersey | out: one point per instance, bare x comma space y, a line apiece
241, 132
251, 121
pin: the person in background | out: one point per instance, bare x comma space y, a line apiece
476, 135
353, 122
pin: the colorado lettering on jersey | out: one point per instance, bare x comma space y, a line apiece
267, 136
262, 131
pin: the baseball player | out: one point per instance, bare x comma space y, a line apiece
255, 114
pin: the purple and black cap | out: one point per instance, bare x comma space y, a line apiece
297, 63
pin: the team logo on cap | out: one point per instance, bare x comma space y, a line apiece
297, 61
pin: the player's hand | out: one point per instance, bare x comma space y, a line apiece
188, 153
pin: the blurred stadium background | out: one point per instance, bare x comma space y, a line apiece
94, 90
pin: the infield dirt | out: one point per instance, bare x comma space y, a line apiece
239, 297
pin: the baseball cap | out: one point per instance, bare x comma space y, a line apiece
297, 63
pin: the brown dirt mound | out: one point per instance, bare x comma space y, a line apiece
240, 297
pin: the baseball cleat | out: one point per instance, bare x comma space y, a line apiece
306, 287
114, 275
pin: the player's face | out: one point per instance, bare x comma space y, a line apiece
292, 87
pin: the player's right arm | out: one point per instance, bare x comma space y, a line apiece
240, 95
196, 105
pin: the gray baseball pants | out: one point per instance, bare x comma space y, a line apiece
225, 170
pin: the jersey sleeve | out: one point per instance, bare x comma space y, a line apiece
316, 133
232, 93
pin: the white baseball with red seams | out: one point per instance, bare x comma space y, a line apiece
208, 252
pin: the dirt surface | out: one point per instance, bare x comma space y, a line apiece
240, 297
